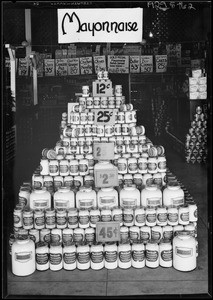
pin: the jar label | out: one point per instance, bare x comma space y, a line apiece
83, 257
32, 237
46, 238
124, 256
162, 165
111, 256
66, 237
152, 166
74, 168
173, 217
97, 257
55, 258
106, 218
138, 255
77, 183
162, 217
168, 234
57, 183
63, 169
140, 218
37, 184
177, 201
122, 166
72, 220
61, 203
166, 255
94, 219
28, 221
53, 169
151, 218
142, 166
84, 220
23, 257
78, 237
107, 200
183, 251
86, 204
68, 183
184, 216
61, 220
69, 258
118, 217
16, 219
39, 221
48, 183
128, 181
133, 166
90, 237
124, 236
22, 201
137, 181
55, 237
133, 235
158, 181
129, 203
152, 255
50, 220
42, 258
128, 218
41, 203
153, 201
155, 235
83, 168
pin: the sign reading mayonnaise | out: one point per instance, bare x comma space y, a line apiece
113, 25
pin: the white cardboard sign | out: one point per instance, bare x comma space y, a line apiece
106, 25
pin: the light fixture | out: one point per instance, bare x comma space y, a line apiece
150, 34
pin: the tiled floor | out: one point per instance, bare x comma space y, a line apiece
131, 282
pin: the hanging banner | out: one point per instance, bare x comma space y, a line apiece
113, 25
49, 67
161, 63
134, 64
73, 66
99, 63
146, 64
118, 64
86, 65
61, 67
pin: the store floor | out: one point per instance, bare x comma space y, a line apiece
131, 282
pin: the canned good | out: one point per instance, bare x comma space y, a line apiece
165, 253
89, 235
55, 256
172, 214
72, 218
83, 218
139, 216
56, 235
138, 254
61, 218
69, 256
183, 215
67, 235
78, 235
50, 218
18, 216
152, 254
42, 256
45, 235
28, 218
34, 235
39, 220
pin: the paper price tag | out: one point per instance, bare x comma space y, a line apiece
107, 231
103, 151
102, 88
104, 116
106, 178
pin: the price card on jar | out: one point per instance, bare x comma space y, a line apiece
103, 151
104, 116
106, 177
102, 88
107, 231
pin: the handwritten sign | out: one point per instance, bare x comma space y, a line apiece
161, 63
134, 64
61, 66
73, 66
99, 63
164, 6
103, 151
22, 67
107, 231
120, 25
86, 65
49, 67
118, 64
146, 63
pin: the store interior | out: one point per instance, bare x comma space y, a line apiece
163, 107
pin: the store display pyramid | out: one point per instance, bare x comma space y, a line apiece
101, 149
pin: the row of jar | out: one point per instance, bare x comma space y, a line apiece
84, 165
88, 235
84, 218
97, 256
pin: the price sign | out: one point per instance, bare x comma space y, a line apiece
102, 88
161, 63
86, 65
103, 151
73, 66
107, 231
49, 67
99, 63
104, 116
106, 178
118, 64
134, 64
146, 63
61, 67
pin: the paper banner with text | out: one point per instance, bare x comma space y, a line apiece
86, 65
161, 63
73, 66
61, 67
146, 63
99, 63
118, 64
134, 64
49, 67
